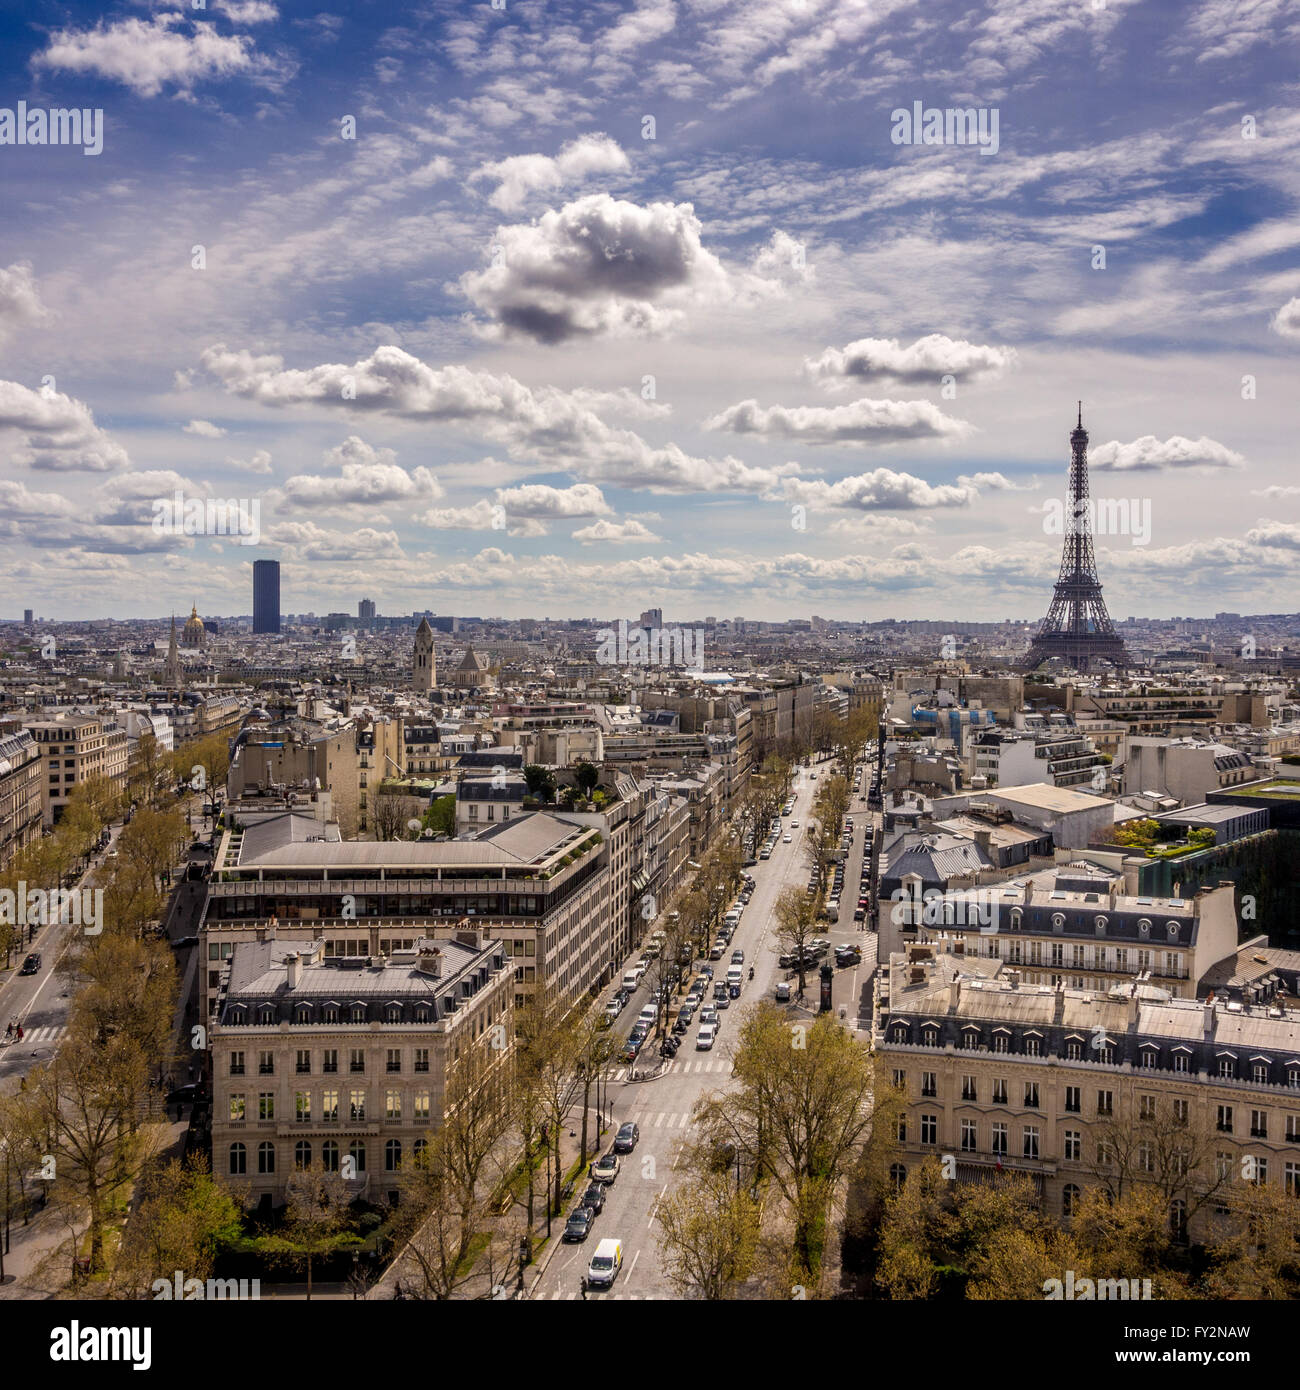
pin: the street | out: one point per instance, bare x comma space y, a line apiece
663, 1106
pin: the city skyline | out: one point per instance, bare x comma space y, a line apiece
815, 362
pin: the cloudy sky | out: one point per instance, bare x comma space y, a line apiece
562, 309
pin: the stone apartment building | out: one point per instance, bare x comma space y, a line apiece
340, 1062
22, 782
1185, 768
74, 748
1076, 925
1066, 1085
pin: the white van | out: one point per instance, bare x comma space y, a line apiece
783, 992
631, 979
735, 975
605, 1264
704, 1038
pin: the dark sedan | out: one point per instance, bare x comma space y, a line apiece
578, 1226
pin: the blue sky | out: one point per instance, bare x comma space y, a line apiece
502, 353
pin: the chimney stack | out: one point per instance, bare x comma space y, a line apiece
293, 964
1207, 1013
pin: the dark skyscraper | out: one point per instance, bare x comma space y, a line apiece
266, 596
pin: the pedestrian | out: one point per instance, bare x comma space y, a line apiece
583, 1286
20, 1032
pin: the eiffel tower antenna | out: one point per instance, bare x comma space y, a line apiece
1077, 630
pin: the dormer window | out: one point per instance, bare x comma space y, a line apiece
1172, 928
302, 1013
393, 1013
1058, 921
1100, 923
1144, 927
358, 1013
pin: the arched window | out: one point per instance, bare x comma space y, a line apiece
357, 1151
1058, 920
302, 1154
1172, 929
418, 1148
1144, 927
238, 1160
1016, 915
1069, 1199
329, 1155
897, 1175
1100, 923
392, 1155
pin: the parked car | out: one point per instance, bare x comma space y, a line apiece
182, 942
605, 1168
578, 1226
859, 914
626, 1138
683, 1022
594, 1198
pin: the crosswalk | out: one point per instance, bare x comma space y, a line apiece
665, 1119
43, 1036
566, 1296
691, 1067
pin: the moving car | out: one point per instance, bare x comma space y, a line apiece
578, 1226
605, 1168
709, 1017
704, 1038
32, 964
783, 992
737, 957
605, 1264
626, 1138
787, 838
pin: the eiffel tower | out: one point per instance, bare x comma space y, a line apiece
1077, 630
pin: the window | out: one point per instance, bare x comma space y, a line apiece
303, 1062
330, 1059
1073, 1051
1178, 1219
1224, 1124
1058, 953
1031, 1095
1259, 1073
236, 1064
1180, 1111
302, 1154
1260, 1166
969, 1141
357, 1153
969, 1088
929, 1129
902, 1129
1105, 1102
1033, 1046
897, 1175
266, 1063
1293, 1078
1073, 1099
1145, 1159
1293, 1129
236, 1107
357, 1060
330, 1013
1223, 1165
356, 1105
1030, 1141
393, 1105
392, 1155
1227, 1067
393, 1013
1000, 1091
266, 1158
302, 1107
900, 1079
1105, 1154
1146, 1107
238, 1160
1259, 1124
266, 1105
1180, 1061
1291, 1179
1150, 1056
266, 1015
421, 1059
928, 1087
999, 1042
329, 1106
930, 1037
329, 1155
422, 1106
999, 1138
1069, 1199
1073, 1145
358, 1013
393, 1059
